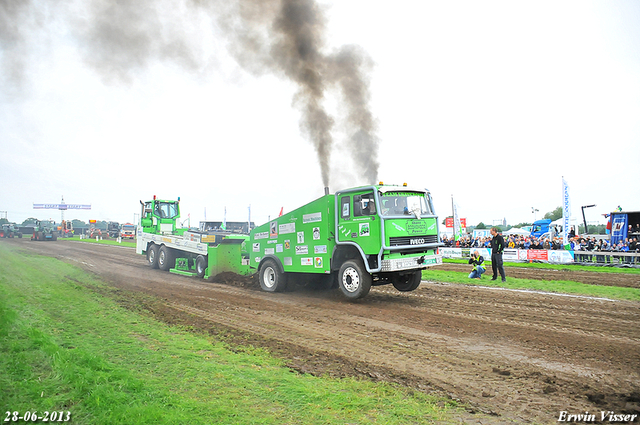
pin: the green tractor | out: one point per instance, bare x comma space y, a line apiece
44, 230
10, 230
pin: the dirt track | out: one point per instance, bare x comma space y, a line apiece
521, 357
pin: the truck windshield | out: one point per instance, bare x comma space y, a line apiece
404, 203
166, 209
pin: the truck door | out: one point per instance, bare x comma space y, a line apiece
359, 222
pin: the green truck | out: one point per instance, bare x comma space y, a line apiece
353, 239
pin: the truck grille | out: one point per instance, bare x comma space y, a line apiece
413, 240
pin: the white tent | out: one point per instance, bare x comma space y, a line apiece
517, 231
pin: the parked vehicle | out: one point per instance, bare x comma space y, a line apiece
128, 231
65, 229
113, 229
10, 230
540, 227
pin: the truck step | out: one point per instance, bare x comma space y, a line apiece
183, 272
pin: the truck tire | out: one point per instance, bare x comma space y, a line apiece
271, 278
201, 265
353, 279
407, 282
152, 256
166, 258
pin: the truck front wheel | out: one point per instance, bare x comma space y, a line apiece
353, 279
152, 256
407, 282
271, 278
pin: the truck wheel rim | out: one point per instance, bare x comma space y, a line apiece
269, 277
152, 256
351, 279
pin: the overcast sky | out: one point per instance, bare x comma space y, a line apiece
492, 102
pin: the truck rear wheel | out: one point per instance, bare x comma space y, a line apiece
407, 282
152, 256
271, 278
166, 258
353, 279
201, 265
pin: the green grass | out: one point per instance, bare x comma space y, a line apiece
557, 286
65, 347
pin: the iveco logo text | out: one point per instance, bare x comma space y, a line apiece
417, 241
398, 227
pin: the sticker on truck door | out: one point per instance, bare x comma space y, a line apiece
364, 229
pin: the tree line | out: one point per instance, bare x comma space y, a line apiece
79, 224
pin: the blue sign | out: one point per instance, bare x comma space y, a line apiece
619, 227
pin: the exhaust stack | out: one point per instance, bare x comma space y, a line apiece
326, 190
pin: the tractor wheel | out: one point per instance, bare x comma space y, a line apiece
152, 256
271, 278
201, 266
353, 279
166, 258
407, 282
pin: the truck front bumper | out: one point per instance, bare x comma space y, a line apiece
410, 263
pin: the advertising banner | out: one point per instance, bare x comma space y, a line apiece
561, 256
448, 222
451, 252
513, 254
457, 226
538, 254
510, 254
619, 227
566, 212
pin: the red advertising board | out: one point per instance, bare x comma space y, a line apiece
537, 254
449, 222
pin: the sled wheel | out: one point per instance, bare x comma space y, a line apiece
201, 265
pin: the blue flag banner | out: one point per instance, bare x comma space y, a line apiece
619, 227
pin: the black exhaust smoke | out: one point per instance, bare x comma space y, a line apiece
286, 38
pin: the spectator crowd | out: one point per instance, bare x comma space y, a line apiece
576, 244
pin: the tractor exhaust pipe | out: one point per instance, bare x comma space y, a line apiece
326, 190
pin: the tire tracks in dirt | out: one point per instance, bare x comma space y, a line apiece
524, 356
